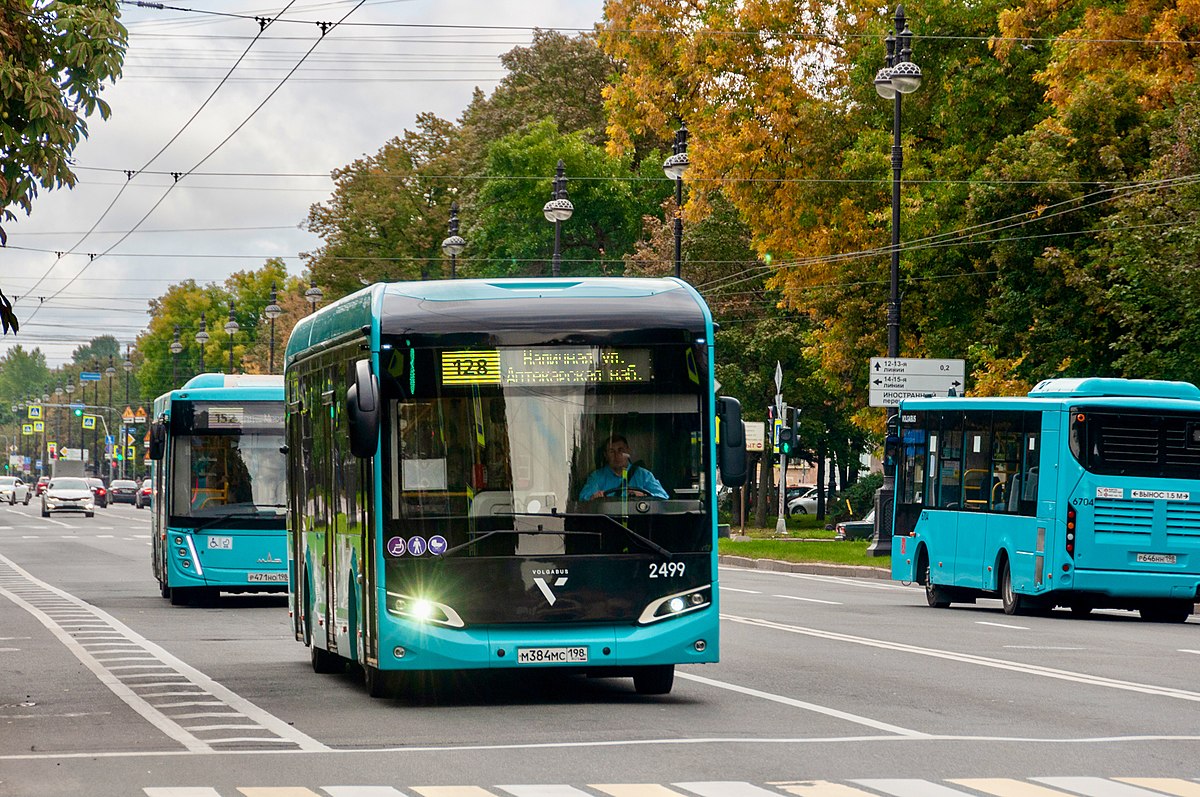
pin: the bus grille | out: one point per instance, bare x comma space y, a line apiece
1136, 518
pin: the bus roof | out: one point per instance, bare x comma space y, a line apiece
224, 387
583, 304
1059, 392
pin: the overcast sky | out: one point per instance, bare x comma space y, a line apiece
364, 83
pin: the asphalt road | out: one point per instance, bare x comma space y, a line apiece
828, 687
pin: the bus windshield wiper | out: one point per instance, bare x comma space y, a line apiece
646, 541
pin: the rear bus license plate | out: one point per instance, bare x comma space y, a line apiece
267, 578
1157, 558
551, 655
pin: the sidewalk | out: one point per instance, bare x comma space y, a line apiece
812, 568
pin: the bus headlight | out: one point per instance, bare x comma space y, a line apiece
674, 605
423, 610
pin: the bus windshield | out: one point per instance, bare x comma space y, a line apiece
229, 462
505, 453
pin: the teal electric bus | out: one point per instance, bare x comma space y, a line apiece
219, 487
1083, 494
439, 436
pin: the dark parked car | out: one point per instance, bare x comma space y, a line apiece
145, 494
856, 529
100, 491
123, 491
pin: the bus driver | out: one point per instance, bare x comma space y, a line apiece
617, 475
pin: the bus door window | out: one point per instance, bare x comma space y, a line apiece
1006, 460
949, 466
1030, 454
977, 461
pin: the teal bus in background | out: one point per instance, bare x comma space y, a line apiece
1084, 494
219, 487
439, 435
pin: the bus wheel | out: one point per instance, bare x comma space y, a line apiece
181, 596
935, 596
1177, 611
163, 589
654, 680
325, 662
1013, 603
1081, 609
380, 683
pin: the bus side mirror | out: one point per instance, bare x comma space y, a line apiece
362, 410
158, 439
731, 442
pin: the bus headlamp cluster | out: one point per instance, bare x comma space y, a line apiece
422, 610
674, 605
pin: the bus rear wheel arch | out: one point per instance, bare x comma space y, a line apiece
1166, 611
936, 596
1012, 602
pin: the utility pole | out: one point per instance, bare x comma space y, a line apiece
780, 524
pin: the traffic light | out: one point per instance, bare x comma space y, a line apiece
79, 412
789, 433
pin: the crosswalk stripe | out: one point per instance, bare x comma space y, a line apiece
452, 791
1176, 786
277, 791
634, 789
906, 787
1007, 787
1097, 787
820, 788
544, 790
725, 788
361, 791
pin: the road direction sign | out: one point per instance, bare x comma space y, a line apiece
896, 378
89, 376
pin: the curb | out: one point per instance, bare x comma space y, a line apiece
812, 568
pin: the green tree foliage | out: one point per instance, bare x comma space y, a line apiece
54, 58
23, 375
158, 369
97, 349
509, 235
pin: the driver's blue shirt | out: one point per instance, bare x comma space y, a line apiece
604, 479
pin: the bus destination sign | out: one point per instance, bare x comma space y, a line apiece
546, 365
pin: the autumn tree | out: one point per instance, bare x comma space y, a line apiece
56, 56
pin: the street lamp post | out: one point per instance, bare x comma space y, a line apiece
231, 328
558, 210
58, 447
899, 76
110, 372
272, 311
313, 295
95, 405
70, 390
127, 366
675, 167
201, 339
454, 244
176, 347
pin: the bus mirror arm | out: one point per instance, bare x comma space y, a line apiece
362, 408
158, 440
731, 444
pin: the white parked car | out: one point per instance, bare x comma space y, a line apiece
68, 494
13, 489
805, 503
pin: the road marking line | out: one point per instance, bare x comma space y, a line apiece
807, 600
787, 701
1003, 625
820, 788
1097, 787
967, 658
906, 787
1007, 787
1176, 786
747, 591
1040, 647
634, 789
1185, 650
451, 791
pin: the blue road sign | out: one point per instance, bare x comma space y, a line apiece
89, 376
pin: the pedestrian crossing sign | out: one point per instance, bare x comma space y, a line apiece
89, 421
39, 427
131, 452
34, 411
27, 428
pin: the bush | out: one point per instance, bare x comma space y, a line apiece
861, 496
